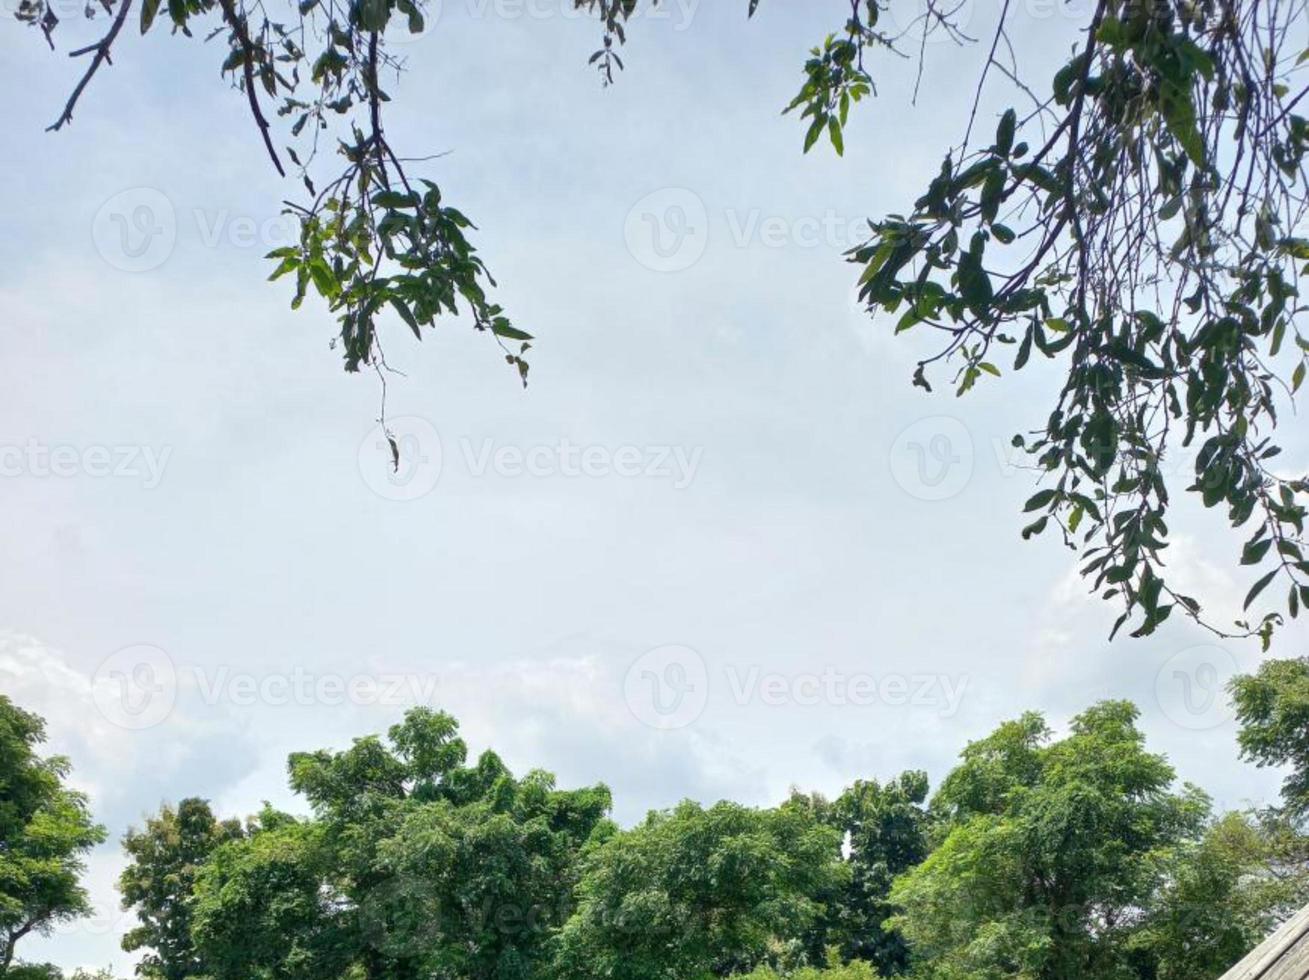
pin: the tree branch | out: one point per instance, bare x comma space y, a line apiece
101, 49
248, 50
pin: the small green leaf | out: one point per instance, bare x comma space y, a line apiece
1040, 499
148, 10
1259, 587
834, 131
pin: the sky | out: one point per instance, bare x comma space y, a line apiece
719, 547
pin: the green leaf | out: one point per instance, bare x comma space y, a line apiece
406, 315
1004, 135
1040, 499
1179, 113
834, 131
815, 130
501, 328
395, 200
1259, 587
1254, 551
148, 10
1036, 527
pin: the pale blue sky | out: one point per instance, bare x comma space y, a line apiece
795, 539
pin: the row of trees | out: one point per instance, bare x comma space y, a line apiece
1036, 857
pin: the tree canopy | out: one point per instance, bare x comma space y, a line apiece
45, 832
1051, 855
699, 892
1272, 706
166, 855
1036, 859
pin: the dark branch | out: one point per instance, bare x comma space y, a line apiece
101, 49
242, 35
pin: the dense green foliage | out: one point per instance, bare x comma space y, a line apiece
1051, 856
414, 865
1140, 223
45, 830
166, 855
1273, 708
1037, 858
701, 892
886, 827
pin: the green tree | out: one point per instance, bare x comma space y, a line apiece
886, 829
262, 911
1222, 895
166, 855
695, 893
1048, 851
1272, 707
414, 865
45, 831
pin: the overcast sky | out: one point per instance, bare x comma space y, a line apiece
719, 547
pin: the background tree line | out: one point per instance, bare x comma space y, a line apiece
1041, 857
